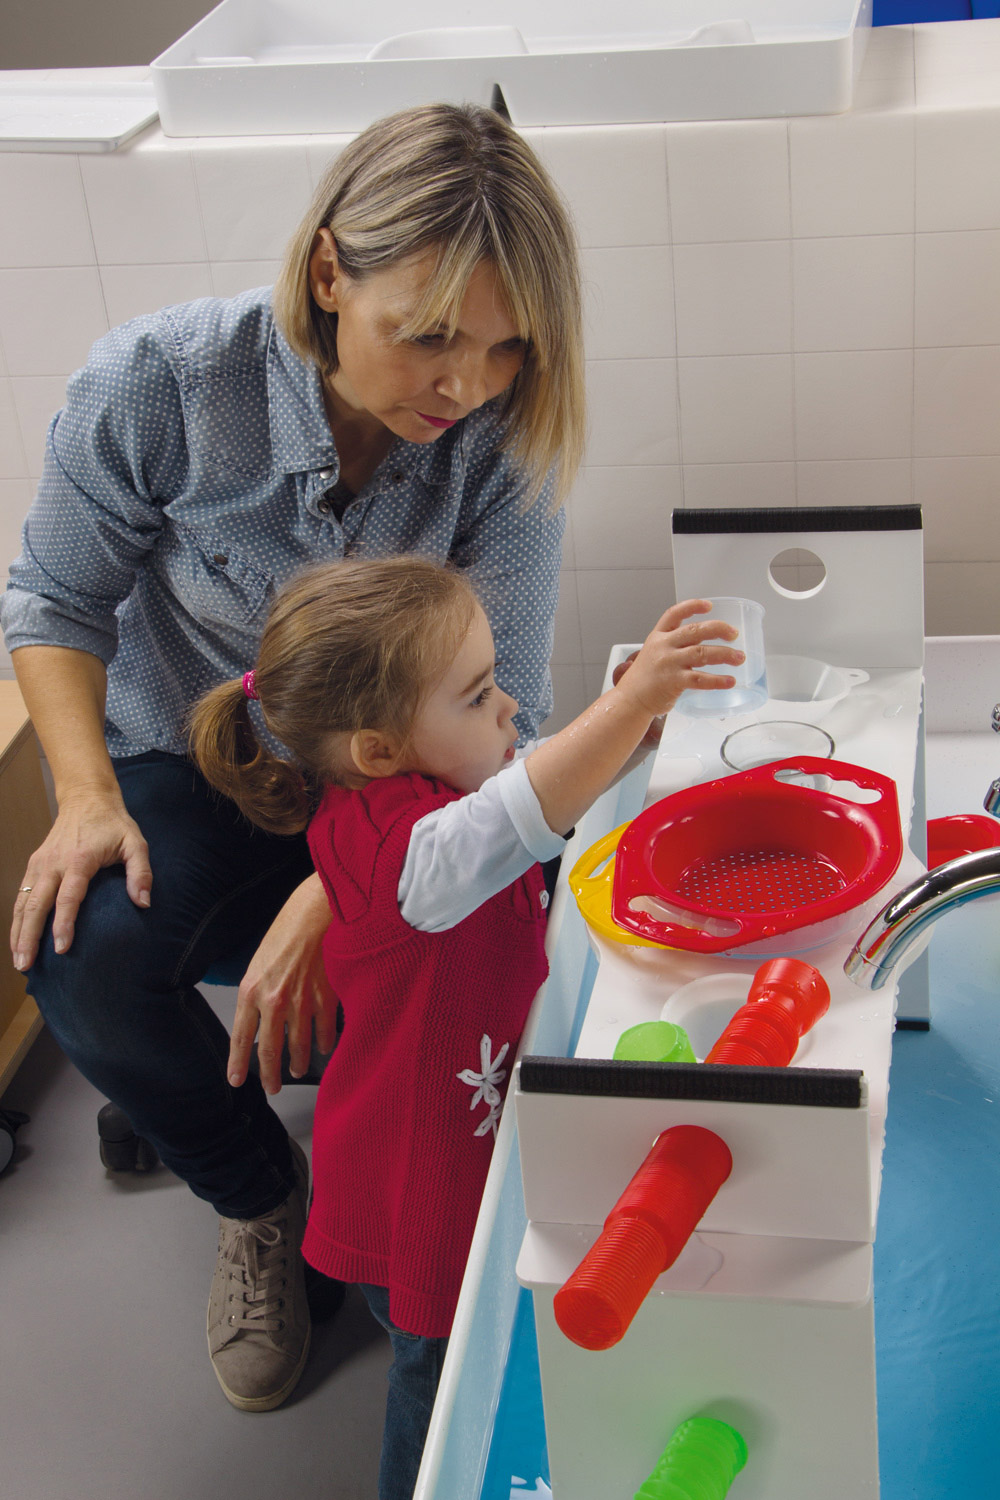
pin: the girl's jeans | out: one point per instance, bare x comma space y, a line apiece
413, 1383
122, 1001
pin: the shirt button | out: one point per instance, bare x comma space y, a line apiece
220, 559
398, 477
543, 899
324, 506
326, 474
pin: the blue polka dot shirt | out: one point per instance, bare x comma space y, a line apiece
190, 474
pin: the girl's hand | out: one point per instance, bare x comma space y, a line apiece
286, 987
572, 768
91, 832
672, 659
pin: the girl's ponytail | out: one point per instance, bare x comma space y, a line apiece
266, 789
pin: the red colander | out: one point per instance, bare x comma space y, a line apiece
743, 859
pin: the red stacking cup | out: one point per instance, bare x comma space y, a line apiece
787, 998
643, 1234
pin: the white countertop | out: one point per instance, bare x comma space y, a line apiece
74, 109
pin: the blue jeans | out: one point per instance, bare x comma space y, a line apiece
122, 1002
413, 1383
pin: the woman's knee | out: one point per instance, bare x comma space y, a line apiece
118, 952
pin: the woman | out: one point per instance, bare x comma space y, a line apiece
414, 384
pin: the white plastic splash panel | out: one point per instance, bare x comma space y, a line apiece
288, 66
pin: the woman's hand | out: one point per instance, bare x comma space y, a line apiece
286, 987
64, 691
91, 832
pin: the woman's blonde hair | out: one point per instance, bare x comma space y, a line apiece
458, 179
347, 646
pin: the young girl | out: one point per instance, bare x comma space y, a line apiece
377, 679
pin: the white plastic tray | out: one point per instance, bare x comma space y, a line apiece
288, 66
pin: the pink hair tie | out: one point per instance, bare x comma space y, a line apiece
250, 684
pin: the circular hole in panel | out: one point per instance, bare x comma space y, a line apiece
797, 573
705, 1007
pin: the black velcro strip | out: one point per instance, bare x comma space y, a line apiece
798, 518
828, 1088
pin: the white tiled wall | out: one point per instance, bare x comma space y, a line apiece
801, 312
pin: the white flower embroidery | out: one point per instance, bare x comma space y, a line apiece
485, 1084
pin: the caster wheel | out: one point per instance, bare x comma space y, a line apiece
121, 1149
11, 1121
6, 1145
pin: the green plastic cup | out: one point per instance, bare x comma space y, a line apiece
654, 1041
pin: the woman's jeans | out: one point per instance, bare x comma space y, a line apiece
413, 1383
122, 1001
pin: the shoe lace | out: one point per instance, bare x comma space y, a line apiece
256, 1253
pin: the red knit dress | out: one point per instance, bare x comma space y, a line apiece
407, 1109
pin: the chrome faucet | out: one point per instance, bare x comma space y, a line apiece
891, 935
991, 801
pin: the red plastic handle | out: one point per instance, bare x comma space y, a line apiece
643, 1234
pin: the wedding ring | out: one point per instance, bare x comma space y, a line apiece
26, 888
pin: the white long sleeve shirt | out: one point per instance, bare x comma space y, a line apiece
462, 854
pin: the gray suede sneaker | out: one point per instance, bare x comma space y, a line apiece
258, 1317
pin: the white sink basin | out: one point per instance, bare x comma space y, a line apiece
268, 66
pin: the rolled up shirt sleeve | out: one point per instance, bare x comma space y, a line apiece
462, 854
110, 458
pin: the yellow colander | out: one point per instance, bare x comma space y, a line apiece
591, 879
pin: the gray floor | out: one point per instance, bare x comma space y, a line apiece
106, 1391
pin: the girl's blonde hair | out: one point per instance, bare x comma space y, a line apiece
461, 181
347, 646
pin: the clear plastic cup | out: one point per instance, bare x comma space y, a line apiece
778, 739
751, 678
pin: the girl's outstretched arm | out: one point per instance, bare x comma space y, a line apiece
570, 771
